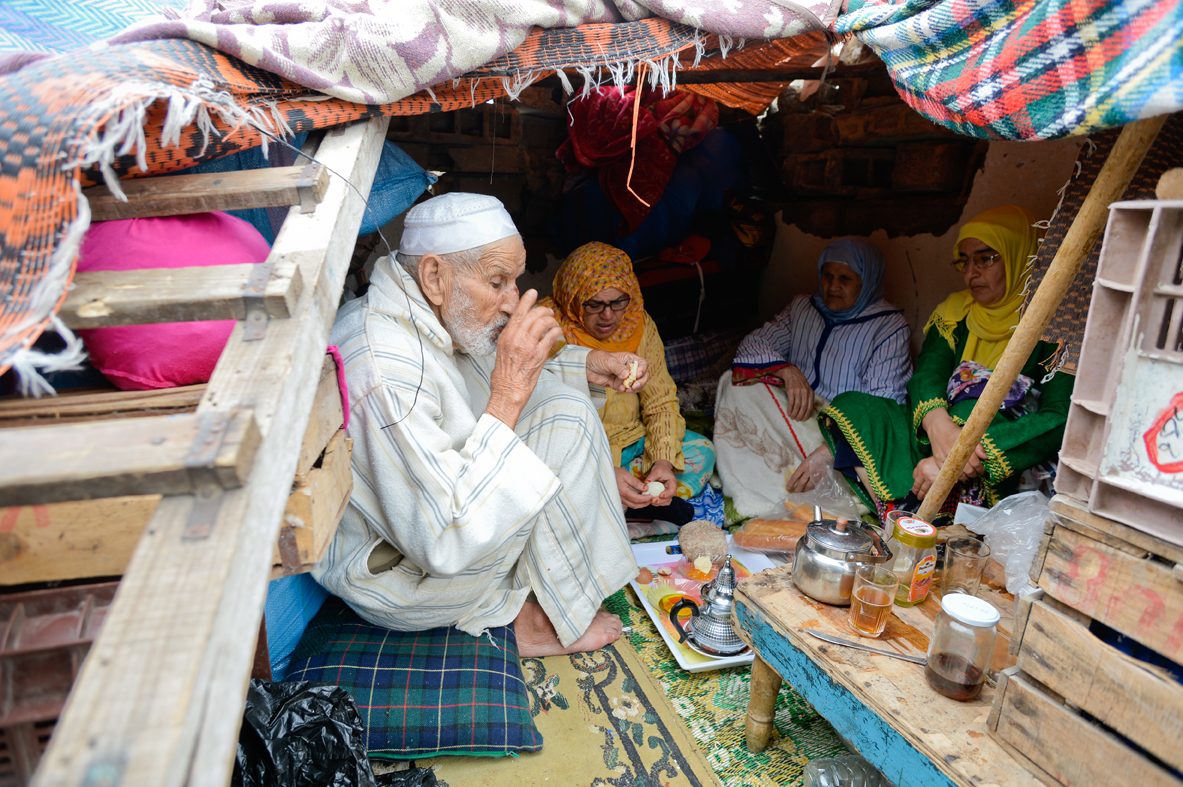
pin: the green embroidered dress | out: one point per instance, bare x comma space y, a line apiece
889, 441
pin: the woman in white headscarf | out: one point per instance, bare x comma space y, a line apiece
844, 337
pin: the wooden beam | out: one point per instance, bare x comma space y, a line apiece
142, 456
1112, 181
159, 699
175, 195
100, 405
105, 298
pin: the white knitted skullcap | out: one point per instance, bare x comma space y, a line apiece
454, 222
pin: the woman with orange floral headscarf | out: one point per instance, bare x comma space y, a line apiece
597, 301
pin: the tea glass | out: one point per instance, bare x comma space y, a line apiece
872, 599
965, 559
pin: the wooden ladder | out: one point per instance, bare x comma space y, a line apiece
159, 699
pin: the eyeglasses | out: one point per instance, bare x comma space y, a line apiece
980, 260
618, 305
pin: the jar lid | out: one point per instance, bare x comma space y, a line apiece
913, 532
970, 610
839, 535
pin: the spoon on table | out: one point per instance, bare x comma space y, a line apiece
921, 660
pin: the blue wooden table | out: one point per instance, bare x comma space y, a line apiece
884, 706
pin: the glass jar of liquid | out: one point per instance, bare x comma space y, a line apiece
962, 646
914, 544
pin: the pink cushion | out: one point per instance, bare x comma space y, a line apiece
165, 355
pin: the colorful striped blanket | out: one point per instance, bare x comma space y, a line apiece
229, 74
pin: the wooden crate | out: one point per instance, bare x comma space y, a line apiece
81, 539
1078, 709
159, 699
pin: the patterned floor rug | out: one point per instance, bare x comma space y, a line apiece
604, 722
629, 716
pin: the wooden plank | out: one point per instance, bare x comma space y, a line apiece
326, 420
91, 538
885, 706
1101, 680
179, 194
1141, 598
159, 700
141, 456
1077, 512
105, 298
1072, 750
93, 406
314, 509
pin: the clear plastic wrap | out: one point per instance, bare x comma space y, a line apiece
1012, 530
830, 491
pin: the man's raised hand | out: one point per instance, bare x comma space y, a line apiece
522, 350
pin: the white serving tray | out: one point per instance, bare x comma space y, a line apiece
654, 554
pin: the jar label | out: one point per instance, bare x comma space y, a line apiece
917, 527
921, 578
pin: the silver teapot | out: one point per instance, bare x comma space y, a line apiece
829, 553
709, 629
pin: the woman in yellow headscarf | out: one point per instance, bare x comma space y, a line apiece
892, 453
597, 301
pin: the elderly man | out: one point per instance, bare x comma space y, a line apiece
483, 491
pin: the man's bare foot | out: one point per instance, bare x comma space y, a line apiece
536, 635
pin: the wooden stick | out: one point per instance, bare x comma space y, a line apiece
1111, 183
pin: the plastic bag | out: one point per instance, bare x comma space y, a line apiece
849, 771
1012, 530
409, 777
301, 734
830, 491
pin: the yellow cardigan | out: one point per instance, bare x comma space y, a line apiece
653, 413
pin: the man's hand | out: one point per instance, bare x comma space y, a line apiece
802, 479
612, 370
522, 349
798, 392
663, 472
633, 492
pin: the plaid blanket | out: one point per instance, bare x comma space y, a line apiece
1027, 69
422, 693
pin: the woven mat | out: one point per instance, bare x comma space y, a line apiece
1067, 326
714, 705
604, 721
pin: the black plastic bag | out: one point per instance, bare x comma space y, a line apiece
412, 777
301, 734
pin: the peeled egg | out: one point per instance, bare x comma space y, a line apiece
656, 488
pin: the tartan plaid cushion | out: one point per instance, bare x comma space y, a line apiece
422, 693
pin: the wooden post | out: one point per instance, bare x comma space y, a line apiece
1111, 183
761, 705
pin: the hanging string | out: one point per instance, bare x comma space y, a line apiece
633, 141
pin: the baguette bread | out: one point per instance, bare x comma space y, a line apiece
770, 535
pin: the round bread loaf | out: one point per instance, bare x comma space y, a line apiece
702, 538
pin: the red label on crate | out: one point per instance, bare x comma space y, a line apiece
1164, 439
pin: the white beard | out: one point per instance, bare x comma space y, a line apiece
461, 323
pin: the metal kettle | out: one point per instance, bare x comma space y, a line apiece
829, 553
709, 629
